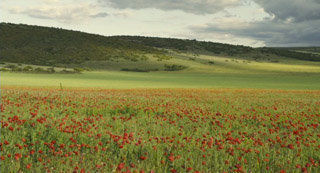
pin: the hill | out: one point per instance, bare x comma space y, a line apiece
37, 45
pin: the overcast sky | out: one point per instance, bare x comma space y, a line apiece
246, 22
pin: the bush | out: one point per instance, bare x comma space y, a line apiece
174, 67
87, 69
11, 66
4, 69
17, 69
78, 70
64, 71
27, 68
162, 57
135, 70
51, 70
40, 70
211, 62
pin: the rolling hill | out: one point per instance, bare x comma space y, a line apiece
113, 62
47, 46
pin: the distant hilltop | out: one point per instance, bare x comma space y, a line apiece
20, 43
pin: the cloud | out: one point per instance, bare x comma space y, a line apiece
102, 14
189, 6
271, 32
290, 23
292, 10
249, 22
124, 13
71, 13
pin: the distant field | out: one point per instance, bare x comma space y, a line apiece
115, 79
223, 73
202, 71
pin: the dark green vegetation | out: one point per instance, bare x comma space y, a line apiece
57, 47
309, 54
38, 69
53, 46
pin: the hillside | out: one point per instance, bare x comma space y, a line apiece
37, 45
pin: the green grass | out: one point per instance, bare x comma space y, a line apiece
114, 79
224, 73
160, 130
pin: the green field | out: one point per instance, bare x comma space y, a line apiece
225, 73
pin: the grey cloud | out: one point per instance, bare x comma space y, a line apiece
296, 10
190, 6
273, 33
291, 23
98, 15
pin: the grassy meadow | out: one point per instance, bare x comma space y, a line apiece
224, 73
107, 79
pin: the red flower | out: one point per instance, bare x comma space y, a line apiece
171, 158
173, 170
290, 146
143, 157
120, 166
29, 166
17, 156
189, 169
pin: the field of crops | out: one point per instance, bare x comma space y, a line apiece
159, 130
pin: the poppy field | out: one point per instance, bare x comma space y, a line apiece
159, 130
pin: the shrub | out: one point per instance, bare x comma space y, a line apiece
17, 69
4, 69
11, 66
174, 67
64, 71
39, 70
27, 68
78, 70
135, 70
51, 70
211, 62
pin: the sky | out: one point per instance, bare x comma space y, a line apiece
254, 23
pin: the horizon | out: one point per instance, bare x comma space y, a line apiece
255, 23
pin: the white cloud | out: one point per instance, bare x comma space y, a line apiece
189, 6
65, 13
